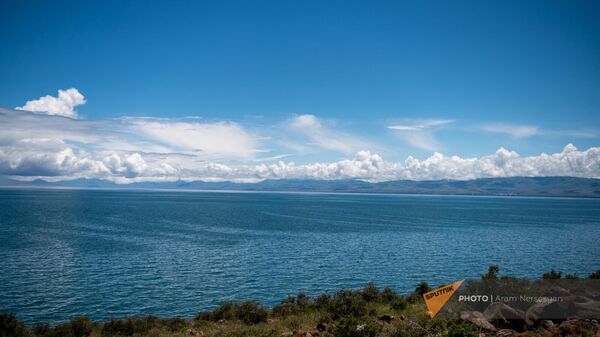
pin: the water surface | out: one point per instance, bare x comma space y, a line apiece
116, 253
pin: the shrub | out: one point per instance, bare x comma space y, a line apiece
346, 303
10, 326
118, 327
492, 273
81, 326
370, 292
285, 309
130, 326
40, 329
389, 295
399, 304
225, 311
173, 324
552, 275
203, 316
322, 301
595, 275
302, 300
422, 288
251, 312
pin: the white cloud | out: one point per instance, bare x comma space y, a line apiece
325, 137
514, 130
123, 150
420, 133
219, 139
63, 105
420, 124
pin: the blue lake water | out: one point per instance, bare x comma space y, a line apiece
116, 253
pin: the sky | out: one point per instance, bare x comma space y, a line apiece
253, 90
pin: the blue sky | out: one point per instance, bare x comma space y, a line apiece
395, 78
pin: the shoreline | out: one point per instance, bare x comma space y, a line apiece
369, 311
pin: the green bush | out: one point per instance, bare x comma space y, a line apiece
552, 275
595, 275
41, 329
286, 308
226, 312
251, 312
422, 288
370, 292
492, 273
347, 303
389, 295
322, 301
10, 326
130, 326
173, 324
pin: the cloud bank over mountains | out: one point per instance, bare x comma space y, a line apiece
45, 139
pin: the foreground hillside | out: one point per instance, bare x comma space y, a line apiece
367, 312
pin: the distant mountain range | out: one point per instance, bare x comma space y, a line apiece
517, 186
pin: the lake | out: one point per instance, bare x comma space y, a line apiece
113, 253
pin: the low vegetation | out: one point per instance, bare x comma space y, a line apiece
366, 312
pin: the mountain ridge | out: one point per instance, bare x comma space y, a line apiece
511, 186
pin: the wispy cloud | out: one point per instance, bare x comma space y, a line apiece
420, 133
420, 124
323, 136
218, 139
62, 105
523, 131
514, 130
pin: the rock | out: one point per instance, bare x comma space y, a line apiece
549, 310
547, 324
504, 316
577, 327
386, 318
506, 333
574, 306
402, 317
477, 319
322, 327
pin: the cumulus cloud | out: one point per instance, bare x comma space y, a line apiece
62, 105
140, 149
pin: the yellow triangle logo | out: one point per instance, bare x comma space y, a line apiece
436, 298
